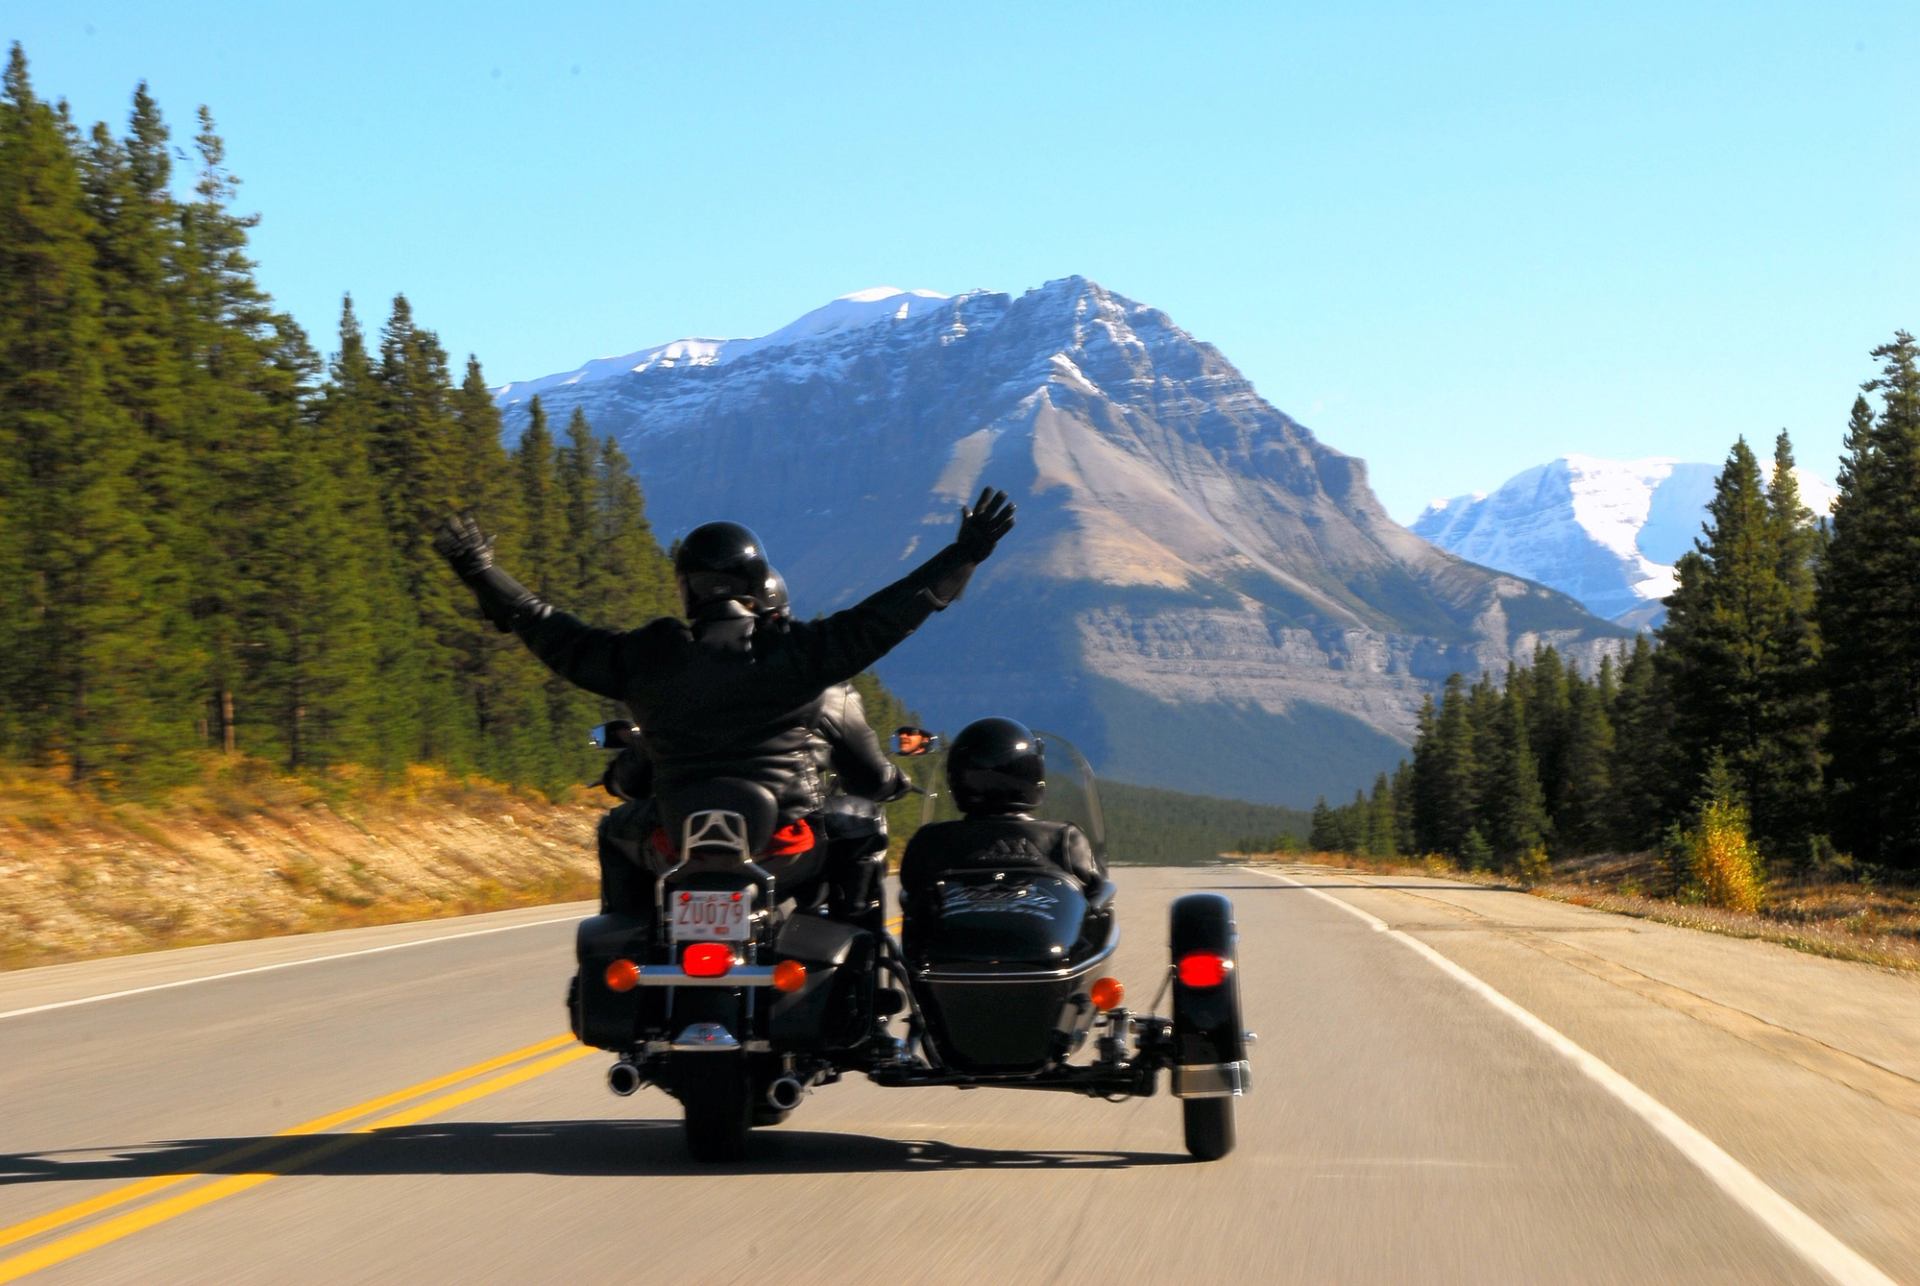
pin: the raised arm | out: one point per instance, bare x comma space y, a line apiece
835, 649
599, 660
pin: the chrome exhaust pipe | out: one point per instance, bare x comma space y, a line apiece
785, 1094
623, 1078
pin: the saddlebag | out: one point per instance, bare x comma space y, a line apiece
603, 1017
834, 1008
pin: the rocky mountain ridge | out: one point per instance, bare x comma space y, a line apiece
1200, 593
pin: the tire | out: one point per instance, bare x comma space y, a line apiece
1209, 1123
718, 1104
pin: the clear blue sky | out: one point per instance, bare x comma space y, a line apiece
1455, 242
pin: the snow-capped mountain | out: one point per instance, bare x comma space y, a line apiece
849, 312
1199, 593
1607, 532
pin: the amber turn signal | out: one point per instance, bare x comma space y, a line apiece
789, 975
1108, 993
623, 975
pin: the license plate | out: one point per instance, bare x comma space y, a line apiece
708, 916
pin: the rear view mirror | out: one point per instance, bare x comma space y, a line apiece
617, 735
914, 741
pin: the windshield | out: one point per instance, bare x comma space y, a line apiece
1072, 793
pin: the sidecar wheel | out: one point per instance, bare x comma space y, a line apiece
719, 1111
1209, 1123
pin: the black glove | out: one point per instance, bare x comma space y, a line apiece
982, 526
469, 551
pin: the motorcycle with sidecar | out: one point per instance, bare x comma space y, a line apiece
738, 1000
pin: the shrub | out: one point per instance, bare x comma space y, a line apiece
1723, 860
1532, 866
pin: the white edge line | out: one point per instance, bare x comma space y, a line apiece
1792, 1225
284, 964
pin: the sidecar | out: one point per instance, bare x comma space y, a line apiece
1006, 974
1003, 963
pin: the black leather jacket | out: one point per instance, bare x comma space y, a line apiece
843, 743
725, 696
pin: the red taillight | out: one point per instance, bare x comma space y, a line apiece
623, 975
707, 960
1204, 969
789, 975
1107, 994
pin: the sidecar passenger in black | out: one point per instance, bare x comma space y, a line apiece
1005, 918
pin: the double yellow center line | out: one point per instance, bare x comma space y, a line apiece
146, 1216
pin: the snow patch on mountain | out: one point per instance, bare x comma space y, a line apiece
1607, 532
860, 309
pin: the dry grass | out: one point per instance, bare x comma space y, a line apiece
1865, 921
240, 851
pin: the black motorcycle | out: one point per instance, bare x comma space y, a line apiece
737, 1000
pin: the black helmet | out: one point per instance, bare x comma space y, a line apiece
774, 604
720, 562
996, 766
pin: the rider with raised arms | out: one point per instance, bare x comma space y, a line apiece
718, 694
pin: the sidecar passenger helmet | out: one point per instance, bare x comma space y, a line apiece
996, 768
720, 563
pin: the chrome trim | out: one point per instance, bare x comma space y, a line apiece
654, 1048
702, 1038
675, 976
1066, 974
1212, 1080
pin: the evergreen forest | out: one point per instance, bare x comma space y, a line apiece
214, 541
1780, 699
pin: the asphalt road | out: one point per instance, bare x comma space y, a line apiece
1452, 1084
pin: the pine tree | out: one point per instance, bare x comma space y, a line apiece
1869, 614
1445, 774
1404, 840
1516, 810
548, 572
584, 584
313, 624
1643, 768
1380, 827
1483, 721
347, 425
1547, 700
1729, 649
81, 631
1788, 792
638, 573
1324, 834
230, 340
1583, 812
135, 222
416, 466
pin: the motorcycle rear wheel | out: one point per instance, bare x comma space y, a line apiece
718, 1105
